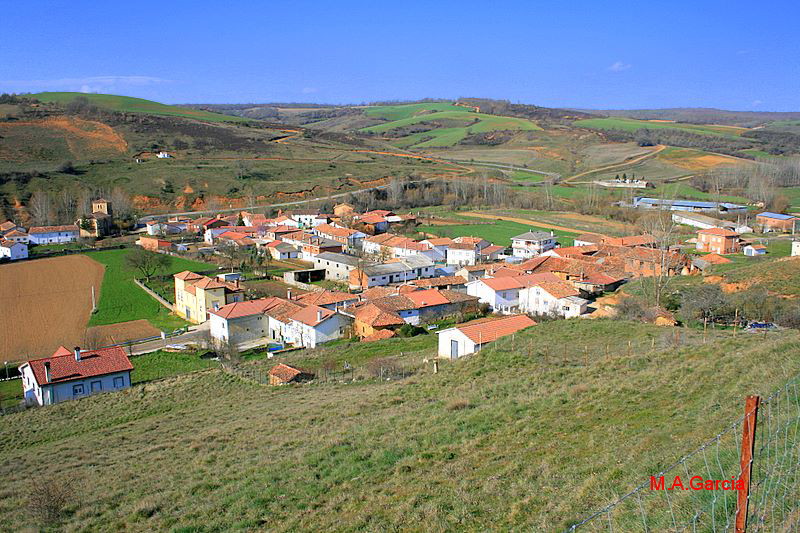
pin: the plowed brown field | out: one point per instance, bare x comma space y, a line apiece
46, 303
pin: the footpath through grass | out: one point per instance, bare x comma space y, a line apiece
122, 300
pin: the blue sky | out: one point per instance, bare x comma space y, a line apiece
598, 54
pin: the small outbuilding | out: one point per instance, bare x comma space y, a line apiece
282, 374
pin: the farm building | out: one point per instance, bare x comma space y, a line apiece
706, 222
338, 266
154, 244
753, 250
718, 241
473, 336
53, 234
70, 374
767, 222
687, 205
13, 250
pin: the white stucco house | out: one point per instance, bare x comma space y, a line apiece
462, 254
532, 243
13, 250
502, 294
70, 374
557, 298
473, 336
277, 320
53, 234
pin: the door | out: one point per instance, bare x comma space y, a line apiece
453, 349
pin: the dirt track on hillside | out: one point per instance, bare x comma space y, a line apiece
45, 303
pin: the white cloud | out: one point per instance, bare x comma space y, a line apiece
619, 66
757, 103
309, 90
89, 84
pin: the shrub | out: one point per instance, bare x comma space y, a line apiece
48, 499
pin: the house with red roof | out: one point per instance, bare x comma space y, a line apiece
12, 250
196, 295
717, 240
554, 298
502, 293
473, 336
70, 374
277, 320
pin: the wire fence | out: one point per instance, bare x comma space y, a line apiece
704, 490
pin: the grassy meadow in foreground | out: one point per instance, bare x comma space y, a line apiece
531, 434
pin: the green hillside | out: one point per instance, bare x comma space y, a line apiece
450, 124
129, 104
530, 435
630, 124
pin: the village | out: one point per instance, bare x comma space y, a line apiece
350, 275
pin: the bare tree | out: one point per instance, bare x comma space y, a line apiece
147, 263
667, 263
40, 207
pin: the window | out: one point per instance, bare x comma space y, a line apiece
77, 390
97, 386
119, 382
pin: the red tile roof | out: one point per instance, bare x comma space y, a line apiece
715, 259
312, 315
427, 298
326, 297
483, 331
284, 372
379, 335
375, 316
247, 308
186, 275
718, 231
442, 281
518, 282
64, 367
53, 229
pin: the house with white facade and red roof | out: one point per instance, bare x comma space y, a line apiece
471, 337
70, 374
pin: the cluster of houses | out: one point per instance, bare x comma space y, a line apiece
15, 239
389, 284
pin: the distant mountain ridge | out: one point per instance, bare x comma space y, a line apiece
700, 115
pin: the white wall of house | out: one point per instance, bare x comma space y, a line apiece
459, 257
55, 237
14, 251
307, 336
539, 301
70, 390
505, 301
795, 248
454, 344
526, 249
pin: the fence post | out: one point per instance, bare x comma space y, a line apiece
746, 462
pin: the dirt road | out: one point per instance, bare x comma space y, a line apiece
626, 163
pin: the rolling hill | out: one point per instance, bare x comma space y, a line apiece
128, 104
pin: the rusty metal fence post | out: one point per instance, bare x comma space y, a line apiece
746, 461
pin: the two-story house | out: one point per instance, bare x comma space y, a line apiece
532, 243
196, 295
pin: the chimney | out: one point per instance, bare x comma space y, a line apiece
319, 315
47, 371
78, 353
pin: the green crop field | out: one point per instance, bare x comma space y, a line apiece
531, 434
404, 111
122, 300
457, 122
630, 124
498, 232
135, 105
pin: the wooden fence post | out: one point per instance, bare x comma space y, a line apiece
746, 462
